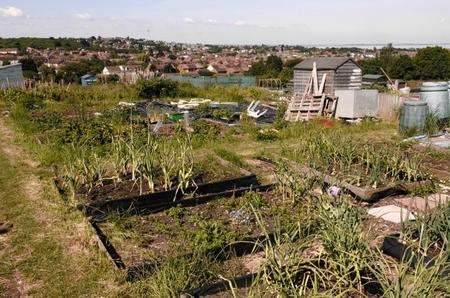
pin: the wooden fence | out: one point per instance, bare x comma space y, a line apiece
389, 105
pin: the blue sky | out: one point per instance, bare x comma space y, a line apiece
233, 21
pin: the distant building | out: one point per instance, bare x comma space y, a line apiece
88, 80
11, 76
342, 73
10, 51
216, 68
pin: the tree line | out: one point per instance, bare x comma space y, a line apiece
274, 68
431, 63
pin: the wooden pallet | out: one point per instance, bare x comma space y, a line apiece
306, 107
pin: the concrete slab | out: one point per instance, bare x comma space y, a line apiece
392, 213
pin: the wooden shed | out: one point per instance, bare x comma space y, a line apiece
342, 73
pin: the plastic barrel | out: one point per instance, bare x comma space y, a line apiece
413, 115
437, 97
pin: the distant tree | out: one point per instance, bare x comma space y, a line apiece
47, 73
157, 87
286, 75
291, 63
433, 63
258, 68
169, 68
387, 56
274, 65
30, 67
371, 66
71, 73
403, 68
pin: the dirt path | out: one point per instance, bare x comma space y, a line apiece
64, 238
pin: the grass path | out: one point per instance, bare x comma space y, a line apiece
50, 251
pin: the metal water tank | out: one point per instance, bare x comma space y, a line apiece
437, 97
413, 115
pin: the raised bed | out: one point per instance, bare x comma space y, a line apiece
248, 243
230, 224
372, 287
367, 194
395, 248
156, 202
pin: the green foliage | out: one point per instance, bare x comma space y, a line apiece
158, 87
433, 63
211, 234
23, 43
230, 156
72, 72
269, 68
82, 131
433, 227
205, 131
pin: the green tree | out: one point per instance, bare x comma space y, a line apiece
371, 66
274, 65
30, 67
157, 87
433, 63
291, 63
403, 68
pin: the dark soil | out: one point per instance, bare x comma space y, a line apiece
129, 188
182, 231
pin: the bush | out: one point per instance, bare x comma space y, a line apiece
158, 87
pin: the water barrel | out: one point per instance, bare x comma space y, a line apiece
413, 115
437, 97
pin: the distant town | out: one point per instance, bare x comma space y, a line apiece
66, 60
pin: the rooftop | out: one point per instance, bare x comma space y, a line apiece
323, 63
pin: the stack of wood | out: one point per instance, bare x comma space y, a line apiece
313, 102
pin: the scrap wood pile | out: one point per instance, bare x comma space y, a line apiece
313, 102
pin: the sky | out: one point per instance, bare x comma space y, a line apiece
299, 22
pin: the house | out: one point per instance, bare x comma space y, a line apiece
11, 76
114, 70
370, 79
342, 73
216, 68
9, 51
88, 80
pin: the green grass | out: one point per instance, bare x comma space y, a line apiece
35, 251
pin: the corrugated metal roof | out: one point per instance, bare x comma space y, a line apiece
324, 63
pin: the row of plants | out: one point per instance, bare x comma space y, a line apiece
146, 162
355, 160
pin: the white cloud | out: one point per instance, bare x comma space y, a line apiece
189, 20
83, 16
11, 11
239, 23
443, 20
212, 22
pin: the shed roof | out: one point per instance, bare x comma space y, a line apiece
88, 76
373, 76
324, 63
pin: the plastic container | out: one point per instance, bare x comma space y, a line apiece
437, 97
413, 115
